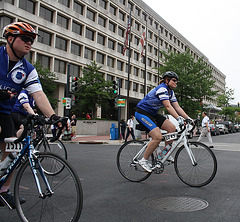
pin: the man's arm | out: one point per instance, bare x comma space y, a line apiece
43, 103
179, 110
28, 108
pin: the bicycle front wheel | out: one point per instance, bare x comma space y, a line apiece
127, 165
199, 173
65, 204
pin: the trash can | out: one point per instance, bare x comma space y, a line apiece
113, 132
116, 133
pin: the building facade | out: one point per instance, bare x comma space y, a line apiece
76, 32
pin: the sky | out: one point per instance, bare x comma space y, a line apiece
213, 27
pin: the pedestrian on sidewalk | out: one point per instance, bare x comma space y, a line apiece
123, 126
206, 130
130, 128
74, 125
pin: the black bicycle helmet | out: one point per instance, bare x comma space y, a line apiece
170, 74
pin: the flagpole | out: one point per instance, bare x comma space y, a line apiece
145, 71
129, 56
158, 56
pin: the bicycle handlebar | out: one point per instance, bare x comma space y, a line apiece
33, 120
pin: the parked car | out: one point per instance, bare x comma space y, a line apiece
237, 127
222, 128
229, 125
214, 129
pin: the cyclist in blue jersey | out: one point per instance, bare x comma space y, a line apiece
148, 116
17, 73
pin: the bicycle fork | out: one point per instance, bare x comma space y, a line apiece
189, 151
36, 165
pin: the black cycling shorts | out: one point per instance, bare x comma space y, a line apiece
7, 126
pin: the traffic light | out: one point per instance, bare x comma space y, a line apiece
73, 84
115, 87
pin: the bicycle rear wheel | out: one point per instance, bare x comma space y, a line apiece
127, 166
65, 204
202, 172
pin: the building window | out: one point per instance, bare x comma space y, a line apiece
60, 66
122, 15
43, 60
112, 26
4, 20
120, 65
156, 25
109, 78
100, 58
77, 28
110, 61
46, 14
78, 7
88, 54
141, 88
113, 9
121, 31
28, 57
65, 2
137, 26
150, 62
101, 39
122, 1
120, 48
144, 16
103, 3
136, 40
44, 37
89, 34
149, 48
130, 6
135, 71
74, 70
75, 49
136, 56
91, 15
142, 74
126, 85
101, 21
150, 21
27, 5
138, 11
111, 44
149, 76
61, 43
135, 87
62, 21
126, 68
150, 34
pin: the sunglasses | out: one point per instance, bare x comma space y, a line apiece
174, 80
25, 38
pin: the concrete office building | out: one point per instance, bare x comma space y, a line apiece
80, 31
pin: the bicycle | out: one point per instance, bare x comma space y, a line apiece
49, 197
194, 163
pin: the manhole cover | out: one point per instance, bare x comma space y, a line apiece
177, 204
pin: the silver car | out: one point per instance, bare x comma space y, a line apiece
222, 128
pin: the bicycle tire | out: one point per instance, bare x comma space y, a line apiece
128, 169
64, 205
200, 174
55, 147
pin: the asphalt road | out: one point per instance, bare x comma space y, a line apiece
109, 197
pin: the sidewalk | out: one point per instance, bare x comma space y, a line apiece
89, 139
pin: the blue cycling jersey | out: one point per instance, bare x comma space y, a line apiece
23, 98
153, 100
22, 75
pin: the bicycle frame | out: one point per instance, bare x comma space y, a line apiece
29, 149
182, 139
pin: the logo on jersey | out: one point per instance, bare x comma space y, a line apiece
18, 76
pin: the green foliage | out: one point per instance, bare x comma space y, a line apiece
47, 79
228, 112
93, 90
195, 80
224, 99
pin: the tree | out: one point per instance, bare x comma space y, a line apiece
93, 90
228, 112
224, 99
47, 79
195, 80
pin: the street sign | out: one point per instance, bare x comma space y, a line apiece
64, 101
121, 103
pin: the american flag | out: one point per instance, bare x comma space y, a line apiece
127, 33
142, 42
